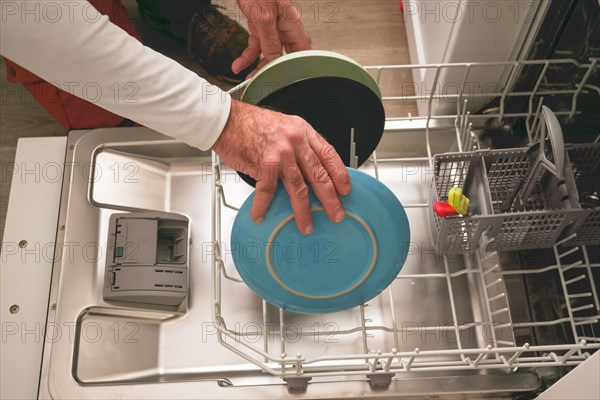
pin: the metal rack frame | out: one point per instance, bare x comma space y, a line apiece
380, 365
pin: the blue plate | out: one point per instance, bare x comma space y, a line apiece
338, 266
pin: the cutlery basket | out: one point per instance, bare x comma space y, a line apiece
519, 201
585, 165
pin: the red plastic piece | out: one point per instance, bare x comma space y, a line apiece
443, 209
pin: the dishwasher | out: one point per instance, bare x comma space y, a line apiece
500, 303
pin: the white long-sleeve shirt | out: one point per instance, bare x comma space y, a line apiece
71, 45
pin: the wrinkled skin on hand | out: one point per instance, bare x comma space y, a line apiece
274, 25
268, 145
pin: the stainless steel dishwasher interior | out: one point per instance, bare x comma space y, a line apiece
471, 324
118, 344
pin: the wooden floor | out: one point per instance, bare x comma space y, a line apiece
372, 32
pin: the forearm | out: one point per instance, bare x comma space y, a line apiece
86, 55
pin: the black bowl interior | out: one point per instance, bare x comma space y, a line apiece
333, 106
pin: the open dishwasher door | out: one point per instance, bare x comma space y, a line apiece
473, 319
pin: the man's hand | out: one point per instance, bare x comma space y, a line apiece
268, 145
273, 24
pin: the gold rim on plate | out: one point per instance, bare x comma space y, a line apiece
313, 296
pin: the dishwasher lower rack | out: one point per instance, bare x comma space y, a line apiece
378, 340
465, 312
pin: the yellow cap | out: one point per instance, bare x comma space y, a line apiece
458, 200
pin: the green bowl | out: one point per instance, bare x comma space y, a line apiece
330, 91
303, 65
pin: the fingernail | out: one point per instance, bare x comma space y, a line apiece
349, 188
259, 220
346, 190
309, 229
340, 215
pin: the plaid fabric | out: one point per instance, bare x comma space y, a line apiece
213, 39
